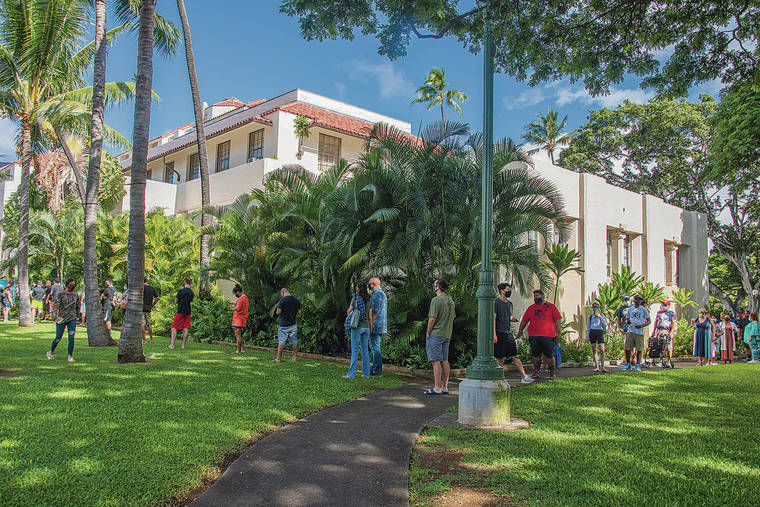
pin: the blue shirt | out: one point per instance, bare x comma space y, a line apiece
637, 316
357, 303
596, 323
379, 305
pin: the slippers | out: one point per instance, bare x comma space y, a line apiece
430, 392
444, 392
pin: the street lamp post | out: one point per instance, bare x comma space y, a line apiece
484, 394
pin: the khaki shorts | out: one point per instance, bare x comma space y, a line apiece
146, 320
634, 341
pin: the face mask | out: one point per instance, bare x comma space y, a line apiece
507, 293
596, 309
538, 301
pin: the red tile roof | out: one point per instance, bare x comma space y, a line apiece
327, 119
232, 101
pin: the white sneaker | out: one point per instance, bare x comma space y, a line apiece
71, 359
49, 354
527, 379
754, 361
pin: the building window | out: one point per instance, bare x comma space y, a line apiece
256, 144
329, 151
169, 172
627, 251
671, 264
194, 167
222, 156
609, 256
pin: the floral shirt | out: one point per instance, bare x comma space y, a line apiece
66, 304
379, 305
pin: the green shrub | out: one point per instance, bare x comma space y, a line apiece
683, 341
402, 353
614, 346
575, 352
212, 319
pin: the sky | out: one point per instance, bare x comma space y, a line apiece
247, 49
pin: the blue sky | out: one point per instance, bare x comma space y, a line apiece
247, 49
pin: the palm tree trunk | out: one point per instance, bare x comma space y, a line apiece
72, 164
130, 344
443, 121
202, 153
22, 256
97, 334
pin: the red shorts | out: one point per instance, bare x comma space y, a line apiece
181, 321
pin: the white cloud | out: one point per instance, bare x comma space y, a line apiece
568, 94
341, 88
390, 81
7, 139
527, 98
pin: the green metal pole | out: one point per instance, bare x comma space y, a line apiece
485, 367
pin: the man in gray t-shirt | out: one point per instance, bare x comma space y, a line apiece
38, 301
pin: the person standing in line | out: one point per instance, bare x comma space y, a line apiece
360, 333
47, 307
288, 307
729, 332
239, 317
14, 292
504, 342
38, 301
752, 337
106, 300
702, 338
665, 325
742, 325
66, 303
6, 303
82, 306
378, 324
638, 318
544, 323
438, 336
182, 318
150, 298
597, 328
55, 289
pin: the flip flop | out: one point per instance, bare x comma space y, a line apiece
430, 392
444, 392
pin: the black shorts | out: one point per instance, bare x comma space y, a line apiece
596, 336
542, 345
505, 345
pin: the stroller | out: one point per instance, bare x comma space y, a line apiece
658, 345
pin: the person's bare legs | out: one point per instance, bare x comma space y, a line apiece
500, 361
437, 376
550, 363
596, 356
638, 357
602, 358
518, 364
295, 352
239, 341
142, 329
174, 337
280, 348
185, 332
445, 376
536, 367
108, 327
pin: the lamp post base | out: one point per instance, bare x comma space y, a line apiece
483, 402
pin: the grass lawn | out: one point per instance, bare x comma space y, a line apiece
675, 437
97, 433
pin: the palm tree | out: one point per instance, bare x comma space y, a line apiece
301, 129
683, 298
652, 292
434, 92
626, 281
560, 260
202, 152
130, 344
547, 134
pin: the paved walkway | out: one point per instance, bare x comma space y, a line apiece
353, 454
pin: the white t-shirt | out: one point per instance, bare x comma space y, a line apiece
638, 317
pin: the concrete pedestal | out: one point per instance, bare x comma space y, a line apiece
483, 402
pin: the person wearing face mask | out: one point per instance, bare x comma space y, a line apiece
543, 321
597, 326
504, 341
665, 325
638, 318
703, 344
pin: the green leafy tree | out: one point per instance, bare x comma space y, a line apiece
536, 41
434, 93
683, 299
560, 260
301, 129
736, 124
547, 133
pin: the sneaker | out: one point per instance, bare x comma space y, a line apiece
626, 367
527, 379
754, 361
637, 368
71, 359
346, 376
49, 354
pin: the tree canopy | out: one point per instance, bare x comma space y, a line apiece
590, 40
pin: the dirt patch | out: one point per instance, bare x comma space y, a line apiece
8, 373
441, 459
460, 496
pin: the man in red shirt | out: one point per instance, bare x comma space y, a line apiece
239, 317
544, 323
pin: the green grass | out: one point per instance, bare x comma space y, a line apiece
677, 437
98, 433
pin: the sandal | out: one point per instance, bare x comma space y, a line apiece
430, 392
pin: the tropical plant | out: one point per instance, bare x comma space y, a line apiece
683, 298
434, 93
301, 129
651, 292
626, 281
202, 151
546, 133
560, 260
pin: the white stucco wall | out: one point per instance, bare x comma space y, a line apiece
157, 195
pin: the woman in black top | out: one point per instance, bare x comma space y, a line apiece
66, 306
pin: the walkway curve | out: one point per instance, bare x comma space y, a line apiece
344, 455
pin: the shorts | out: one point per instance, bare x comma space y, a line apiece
287, 334
146, 319
505, 345
542, 345
37, 305
51, 304
596, 336
108, 314
634, 341
6, 304
181, 321
437, 348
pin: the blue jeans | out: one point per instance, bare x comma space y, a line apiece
377, 356
359, 338
72, 325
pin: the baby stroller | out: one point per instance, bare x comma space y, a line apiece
658, 345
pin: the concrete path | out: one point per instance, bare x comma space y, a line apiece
353, 454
